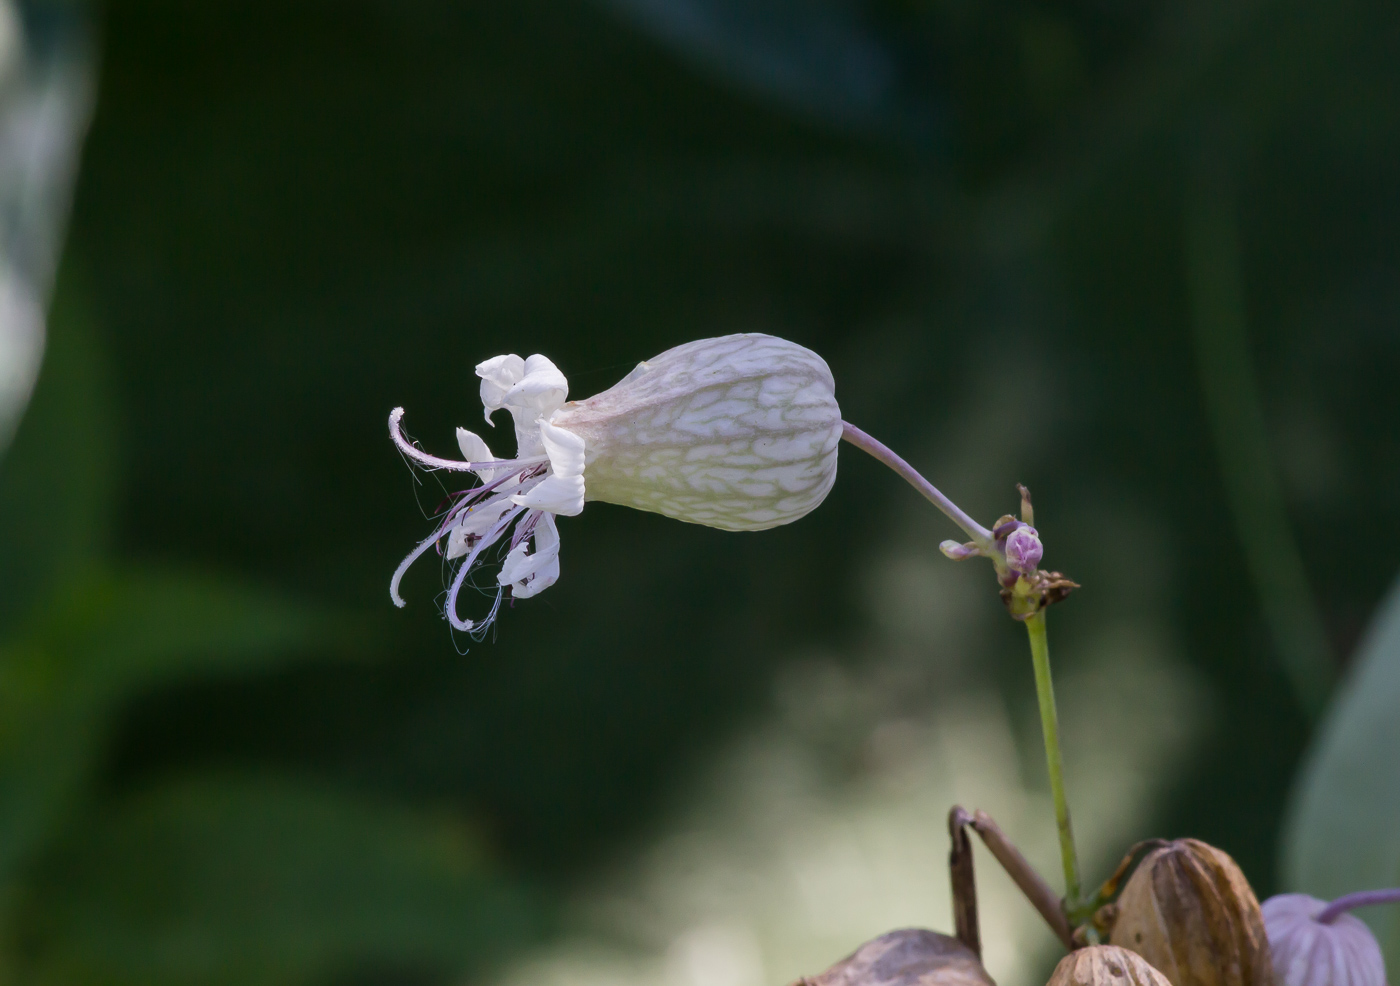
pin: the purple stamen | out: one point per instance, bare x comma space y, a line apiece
449, 499
1361, 898
469, 562
525, 529
407, 563
510, 476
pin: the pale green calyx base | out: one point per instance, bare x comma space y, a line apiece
738, 432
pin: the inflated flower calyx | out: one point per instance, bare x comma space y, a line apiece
1313, 944
1189, 911
1105, 965
909, 957
737, 432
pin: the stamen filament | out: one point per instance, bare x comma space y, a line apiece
452, 465
468, 563
408, 561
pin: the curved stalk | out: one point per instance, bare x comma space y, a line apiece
883, 453
1361, 898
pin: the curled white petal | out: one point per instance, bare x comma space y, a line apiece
542, 389
536, 392
498, 374
532, 573
564, 448
555, 494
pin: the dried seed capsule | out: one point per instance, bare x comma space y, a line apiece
1105, 965
909, 957
1190, 912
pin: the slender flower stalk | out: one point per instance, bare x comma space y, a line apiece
883, 453
1050, 725
1014, 548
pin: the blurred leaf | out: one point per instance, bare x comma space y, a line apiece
1342, 833
118, 633
822, 58
101, 639
56, 479
258, 880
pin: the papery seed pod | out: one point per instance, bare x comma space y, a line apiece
909, 957
1340, 951
1105, 965
1190, 912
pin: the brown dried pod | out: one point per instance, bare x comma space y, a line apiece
1105, 965
909, 957
1190, 912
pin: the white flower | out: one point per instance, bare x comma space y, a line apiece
738, 433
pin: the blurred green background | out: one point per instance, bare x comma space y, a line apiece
1140, 256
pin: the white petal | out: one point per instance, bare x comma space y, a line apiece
541, 391
546, 533
513, 568
564, 448
556, 495
538, 393
543, 580
476, 522
520, 567
498, 375
475, 450
530, 574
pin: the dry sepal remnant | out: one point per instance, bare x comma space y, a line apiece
1190, 912
909, 957
1105, 965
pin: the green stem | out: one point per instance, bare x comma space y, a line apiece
1050, 723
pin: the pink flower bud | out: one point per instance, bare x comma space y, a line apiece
1023, 550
